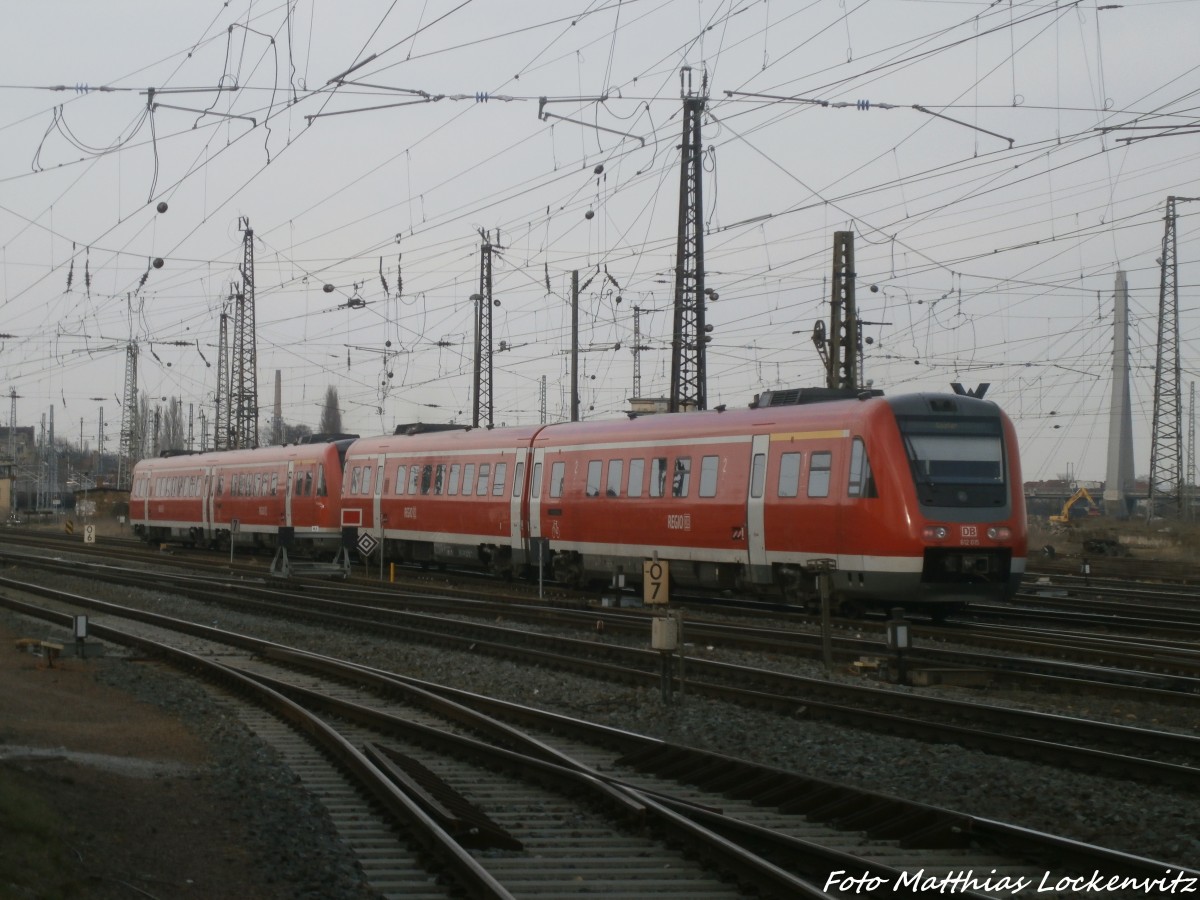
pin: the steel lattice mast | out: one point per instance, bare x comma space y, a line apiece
221, 414
843, 319
130, 451
244, 392
688, 333
1165, 493
483, 337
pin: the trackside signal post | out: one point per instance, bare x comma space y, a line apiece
899, 639
823, 569
666, 636
666, 631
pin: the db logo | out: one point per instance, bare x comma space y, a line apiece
970, 531
738, 533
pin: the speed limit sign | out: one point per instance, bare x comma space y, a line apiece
656, 581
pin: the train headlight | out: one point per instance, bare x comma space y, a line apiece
935, 532
999, 532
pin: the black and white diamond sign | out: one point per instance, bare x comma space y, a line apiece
366, 544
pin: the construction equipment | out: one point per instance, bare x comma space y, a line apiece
1064, 517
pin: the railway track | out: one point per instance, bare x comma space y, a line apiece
1151, 669
1150, 755
485, 788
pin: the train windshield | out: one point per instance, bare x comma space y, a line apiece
956, 462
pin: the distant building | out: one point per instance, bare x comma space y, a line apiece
18, 467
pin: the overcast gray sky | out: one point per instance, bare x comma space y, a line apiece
992, 231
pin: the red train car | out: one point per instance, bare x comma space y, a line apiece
247, 497
445, 496
914, 500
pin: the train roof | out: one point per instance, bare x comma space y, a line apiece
254, 456
455, 438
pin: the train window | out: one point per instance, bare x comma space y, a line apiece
862, 482
682, 478
322, 488
708, 476
414, 475
613, 488
426, 477
220, 484
557, 472
355, 479
595, 467
274, 484
439, 478
818, 474
518, 479
758, 474
308, 480
400, 473
971, 453
468, 478
498, 481
658, 475
536, 489
366, 479
259, 488
637, 469
485, 471
789, 474
455, 471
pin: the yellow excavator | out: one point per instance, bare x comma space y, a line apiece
1064, 517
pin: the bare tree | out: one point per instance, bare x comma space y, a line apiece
171, 434
145, 431
331, 414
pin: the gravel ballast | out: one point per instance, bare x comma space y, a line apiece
1158, 822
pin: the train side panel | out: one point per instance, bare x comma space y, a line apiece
244, 496
446, 498
612, 495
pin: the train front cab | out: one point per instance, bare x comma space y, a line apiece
965, 478
915, 501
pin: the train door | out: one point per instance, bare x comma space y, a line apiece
756, 544
377, 497
207, 479
515, 496
287, 494
145, 500
535, 493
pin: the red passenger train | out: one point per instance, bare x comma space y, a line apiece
914, 500
917, 500
243, 496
